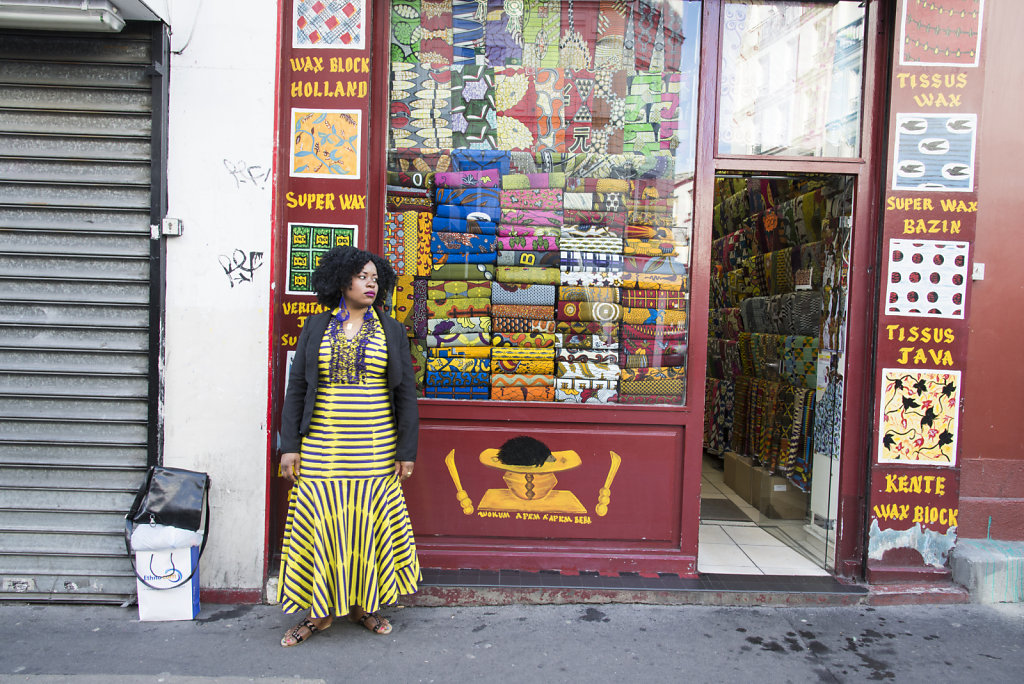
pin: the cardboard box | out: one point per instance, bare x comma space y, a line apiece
786, 501
761, 487
174, 598
729, 462
744, 476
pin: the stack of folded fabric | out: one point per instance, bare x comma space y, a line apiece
523, 318
458, 337
408, 219
654, 297
522, 373
587, 358
531, 217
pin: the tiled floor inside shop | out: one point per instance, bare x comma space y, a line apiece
757, 546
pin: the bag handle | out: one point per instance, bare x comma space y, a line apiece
129, 526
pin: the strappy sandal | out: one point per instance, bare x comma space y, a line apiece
381, 625
294, 633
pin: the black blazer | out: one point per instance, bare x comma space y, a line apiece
303, 380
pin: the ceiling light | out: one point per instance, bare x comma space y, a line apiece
61, 15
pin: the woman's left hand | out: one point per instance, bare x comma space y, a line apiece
403, 470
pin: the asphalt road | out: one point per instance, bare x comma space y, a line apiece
565, 643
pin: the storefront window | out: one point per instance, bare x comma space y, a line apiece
791, 78
539, 202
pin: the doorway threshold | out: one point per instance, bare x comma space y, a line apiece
469, 587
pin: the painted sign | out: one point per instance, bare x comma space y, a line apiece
929, 225
543, 482
322, 167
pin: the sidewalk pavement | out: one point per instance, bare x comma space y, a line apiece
563, 643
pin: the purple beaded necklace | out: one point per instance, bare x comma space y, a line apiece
348, 357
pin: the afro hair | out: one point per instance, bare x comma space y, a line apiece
337, 268
524, 451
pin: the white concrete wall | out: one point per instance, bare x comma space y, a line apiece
221, 138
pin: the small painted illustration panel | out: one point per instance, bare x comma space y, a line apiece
918, 421
326, 143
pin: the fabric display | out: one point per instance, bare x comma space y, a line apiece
770, 306
530, 180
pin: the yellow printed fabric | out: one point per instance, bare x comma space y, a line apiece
348, 539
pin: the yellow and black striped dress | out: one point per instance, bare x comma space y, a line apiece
347, 537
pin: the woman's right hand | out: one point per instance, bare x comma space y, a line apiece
290, 466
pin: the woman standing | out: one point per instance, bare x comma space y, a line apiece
348, 436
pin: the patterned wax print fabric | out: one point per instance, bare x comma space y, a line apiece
477, 178
516, 230
461, 258
461, 243
440, 290
800, 361
503, 33
459, 340
533, 243
348, 483
528, 258
464, 324
521, 325
455, 378
573, 293
528, 311
525, 361
458, 225
473, 111
458, 392
588, 370
586, 391
456, 307
456, 271
467, 32
476, 352
528, 274
531, 217
522, 393
530, 340
520, 293
418, 351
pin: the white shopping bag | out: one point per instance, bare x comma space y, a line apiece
168, 568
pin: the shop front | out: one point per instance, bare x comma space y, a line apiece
637, 242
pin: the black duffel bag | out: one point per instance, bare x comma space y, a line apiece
173, 497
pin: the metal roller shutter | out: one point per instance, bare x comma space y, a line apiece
76, 115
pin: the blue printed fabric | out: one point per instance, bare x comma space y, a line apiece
482, 197
489, 213
453, 225
459, 243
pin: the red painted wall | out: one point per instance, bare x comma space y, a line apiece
992, 455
